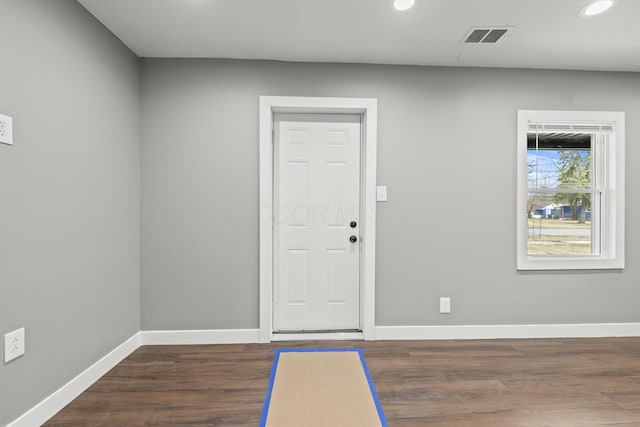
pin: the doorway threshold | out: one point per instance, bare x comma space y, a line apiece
318, 336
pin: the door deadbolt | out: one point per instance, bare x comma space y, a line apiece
353, 224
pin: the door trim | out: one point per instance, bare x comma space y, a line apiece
368, 109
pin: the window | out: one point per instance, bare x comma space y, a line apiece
570, 190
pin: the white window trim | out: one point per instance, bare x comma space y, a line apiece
613, 224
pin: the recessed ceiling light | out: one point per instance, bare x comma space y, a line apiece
403, 4
596, 7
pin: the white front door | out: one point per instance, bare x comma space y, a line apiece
316, 222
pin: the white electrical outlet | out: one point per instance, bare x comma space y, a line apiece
6, 129
13, 345
445, 305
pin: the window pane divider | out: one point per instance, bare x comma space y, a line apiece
565, 190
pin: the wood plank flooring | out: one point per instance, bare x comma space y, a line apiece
542, 382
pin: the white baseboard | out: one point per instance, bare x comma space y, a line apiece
451, 332
208, 336
64, 395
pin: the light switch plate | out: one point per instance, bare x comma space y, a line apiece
6, 129
381, 193
445, 305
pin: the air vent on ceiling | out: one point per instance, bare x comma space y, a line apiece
485, 34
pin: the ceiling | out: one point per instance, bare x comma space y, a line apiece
543, 33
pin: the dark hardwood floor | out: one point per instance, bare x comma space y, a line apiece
548, 382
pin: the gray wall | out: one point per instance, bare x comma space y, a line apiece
446, 151
69, 196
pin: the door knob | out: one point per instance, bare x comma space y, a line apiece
353, 239
353, 224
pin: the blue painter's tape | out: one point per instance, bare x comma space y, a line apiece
267, 399
374, 394
360, 351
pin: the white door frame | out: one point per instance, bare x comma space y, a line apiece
368, 109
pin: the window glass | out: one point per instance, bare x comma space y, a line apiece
559, 171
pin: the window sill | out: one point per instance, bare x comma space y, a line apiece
569, 263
